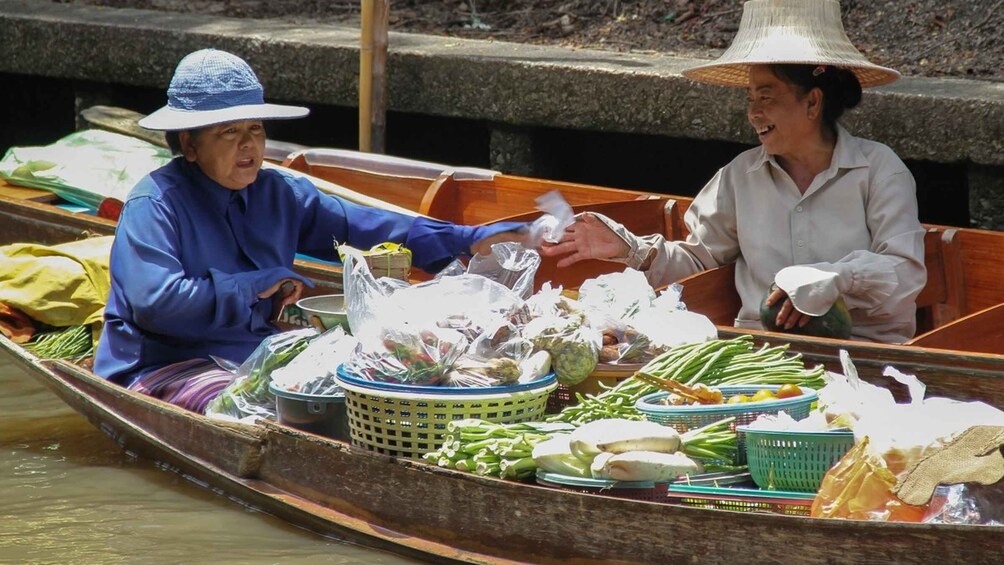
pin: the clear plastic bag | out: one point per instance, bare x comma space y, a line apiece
419, 357
550, 227
574, 346
619, 296
248, 396
313, 370
510, 264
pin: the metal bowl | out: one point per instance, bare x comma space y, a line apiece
325, 311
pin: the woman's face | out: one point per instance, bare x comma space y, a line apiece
783, 119
230, 154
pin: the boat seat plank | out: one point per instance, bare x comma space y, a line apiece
403, 191
981, 331
25, 193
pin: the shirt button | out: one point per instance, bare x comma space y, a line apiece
798, 208
800, 243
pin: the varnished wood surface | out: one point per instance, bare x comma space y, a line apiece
981, 331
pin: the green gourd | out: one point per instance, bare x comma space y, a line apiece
835, 323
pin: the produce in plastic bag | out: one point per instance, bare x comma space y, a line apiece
619, 296
248, 395
859, 487
574, 347
367, 298
411, 357
313, 370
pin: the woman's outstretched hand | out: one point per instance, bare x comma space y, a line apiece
587, 238
788, 317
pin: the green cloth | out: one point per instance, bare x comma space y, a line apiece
61, 285
84, 167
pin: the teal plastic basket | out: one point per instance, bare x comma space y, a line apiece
792, 460
685, 418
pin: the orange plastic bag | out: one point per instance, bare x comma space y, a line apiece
859, 487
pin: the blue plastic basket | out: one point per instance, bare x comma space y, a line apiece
685, 418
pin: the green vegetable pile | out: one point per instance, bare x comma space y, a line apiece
714, 363
497, 450
244, 394
72, 342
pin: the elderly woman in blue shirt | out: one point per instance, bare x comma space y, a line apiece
205, 243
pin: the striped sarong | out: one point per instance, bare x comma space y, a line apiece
190, 384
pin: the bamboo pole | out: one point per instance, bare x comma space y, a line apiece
372, 75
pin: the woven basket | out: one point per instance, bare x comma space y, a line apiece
792, 460
410, 421
685, 418
741, 499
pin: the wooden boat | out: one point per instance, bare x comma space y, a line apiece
444, 516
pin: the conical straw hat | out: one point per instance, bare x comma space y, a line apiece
789, 31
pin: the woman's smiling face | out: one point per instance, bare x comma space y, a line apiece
783, 118
231, 154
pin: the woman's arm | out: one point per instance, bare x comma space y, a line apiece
887, 277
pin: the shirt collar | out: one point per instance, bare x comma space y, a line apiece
218, 196
846, 154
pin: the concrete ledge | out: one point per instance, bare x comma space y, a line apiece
940, 120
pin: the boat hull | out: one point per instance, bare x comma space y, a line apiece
444, 516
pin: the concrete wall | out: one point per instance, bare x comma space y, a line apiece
514, 86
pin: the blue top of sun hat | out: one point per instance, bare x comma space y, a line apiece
212, 87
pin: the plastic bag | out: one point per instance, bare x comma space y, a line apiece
859, 487
967, 504
574, 347
621, 344
510, 264
407, 356
620, 296
313, 370
367, 298
550, 227
248, 396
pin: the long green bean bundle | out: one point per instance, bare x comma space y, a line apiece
713, 363
71, 342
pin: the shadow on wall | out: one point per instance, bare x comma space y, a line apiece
40, 110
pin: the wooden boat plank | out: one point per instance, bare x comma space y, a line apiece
329, 487
981, 331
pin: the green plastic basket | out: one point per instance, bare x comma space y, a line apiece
792, 460
410, 421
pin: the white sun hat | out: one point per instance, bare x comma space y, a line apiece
212, 87
805, 32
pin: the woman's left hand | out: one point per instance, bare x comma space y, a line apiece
285, 293
484, 246
788, 317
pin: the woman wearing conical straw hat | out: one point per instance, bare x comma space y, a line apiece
821, 213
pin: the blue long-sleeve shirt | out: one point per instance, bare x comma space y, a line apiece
191, 256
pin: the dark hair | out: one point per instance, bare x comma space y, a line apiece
840, 87
174, 139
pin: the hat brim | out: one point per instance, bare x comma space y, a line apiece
172, 119
737, 74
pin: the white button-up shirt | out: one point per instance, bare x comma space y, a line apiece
857, 219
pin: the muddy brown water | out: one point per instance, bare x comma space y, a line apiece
68, 494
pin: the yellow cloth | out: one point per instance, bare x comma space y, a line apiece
61, 285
